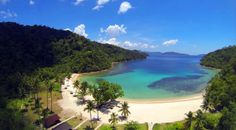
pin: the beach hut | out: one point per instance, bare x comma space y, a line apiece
63, 126
51, 120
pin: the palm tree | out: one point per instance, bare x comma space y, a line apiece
114, 119
89, 108
37, 103
68, 76
37, 106
96, 99
200, 121
97, 96
83, 90
47, 83
189, 120
29, 84
97, 109
35, 87
91, 89
46, 75
206, 106
124, 110
50, 90
76, 85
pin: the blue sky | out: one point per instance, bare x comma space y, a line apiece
188, 26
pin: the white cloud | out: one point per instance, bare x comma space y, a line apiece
77, 2
7, 14
100, 4
153, 46
68, 29
4, 1
170, 42
97, 7
137, 45
80, 29
112, 41
145, 45
124, 7
114, 30
128, 44
31, 2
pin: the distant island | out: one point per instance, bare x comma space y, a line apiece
174, 54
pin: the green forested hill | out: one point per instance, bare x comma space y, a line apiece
24, 49
220, 58
221, 92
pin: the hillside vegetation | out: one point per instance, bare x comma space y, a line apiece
24, 49
221, 92
220, 58
31, 56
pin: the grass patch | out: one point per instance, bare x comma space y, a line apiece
26, 105
212, 120
143, 126
57, 87
75, 121
169, 126
88, 125
55, 96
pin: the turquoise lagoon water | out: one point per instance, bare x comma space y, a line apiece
157, 77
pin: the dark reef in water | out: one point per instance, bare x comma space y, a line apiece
177, 84
99, 79
120, 69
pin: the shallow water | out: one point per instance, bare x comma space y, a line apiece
157, 77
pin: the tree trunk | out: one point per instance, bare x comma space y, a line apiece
83, 99
34, 95
47, 97
90, 115
37, 93
51, 101
97, 114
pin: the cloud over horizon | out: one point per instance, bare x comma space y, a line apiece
170, 42
7, 14
128, 44
113, 31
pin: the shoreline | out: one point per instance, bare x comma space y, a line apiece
164, 100
211, 68
164, 110
100, 71
157, 111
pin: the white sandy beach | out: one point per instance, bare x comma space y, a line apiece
156, 111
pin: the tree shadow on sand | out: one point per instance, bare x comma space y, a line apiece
81, 101
106, 107
122, 118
